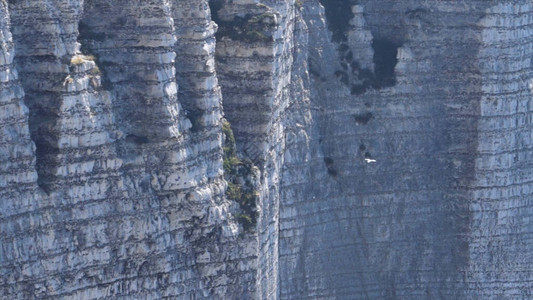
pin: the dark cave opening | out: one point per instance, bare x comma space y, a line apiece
195, 116
338, 15
363, 118
46, 148
385, 60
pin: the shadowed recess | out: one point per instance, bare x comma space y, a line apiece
338, 15
385, 60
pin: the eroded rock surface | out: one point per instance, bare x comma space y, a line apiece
306, 149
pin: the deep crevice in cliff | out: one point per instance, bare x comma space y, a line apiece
338, 16
359, 79
385, 60
40, 79
239, 174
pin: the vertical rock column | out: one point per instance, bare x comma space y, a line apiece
502, 232
199, 92
254, 57
245, 62
172, 166
268, 221
229, 270
17, 157
134, 43
18, 177
70, 117
359, 40
71, 124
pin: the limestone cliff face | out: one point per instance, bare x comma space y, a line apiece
411, 149
372, 149
113, 199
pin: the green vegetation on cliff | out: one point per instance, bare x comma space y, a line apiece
249, 28
239, 176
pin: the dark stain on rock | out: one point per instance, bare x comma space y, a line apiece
333, 173
338, 16
132, 138
385, 60
364, 118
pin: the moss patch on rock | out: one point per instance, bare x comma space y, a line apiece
248, 28
240, 177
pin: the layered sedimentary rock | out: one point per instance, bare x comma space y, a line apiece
18, 162
130, 201
404, 156
386, 194
254, 57
501, 230
266, 149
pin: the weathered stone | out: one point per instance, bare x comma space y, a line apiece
380, 149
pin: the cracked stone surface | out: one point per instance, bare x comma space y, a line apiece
390, 144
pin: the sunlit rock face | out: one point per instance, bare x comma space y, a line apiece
266, 149
116, 194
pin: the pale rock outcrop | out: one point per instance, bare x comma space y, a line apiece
130, 202
500, 241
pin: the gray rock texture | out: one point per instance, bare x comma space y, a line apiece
266, 149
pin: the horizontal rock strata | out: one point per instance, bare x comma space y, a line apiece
272, 149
